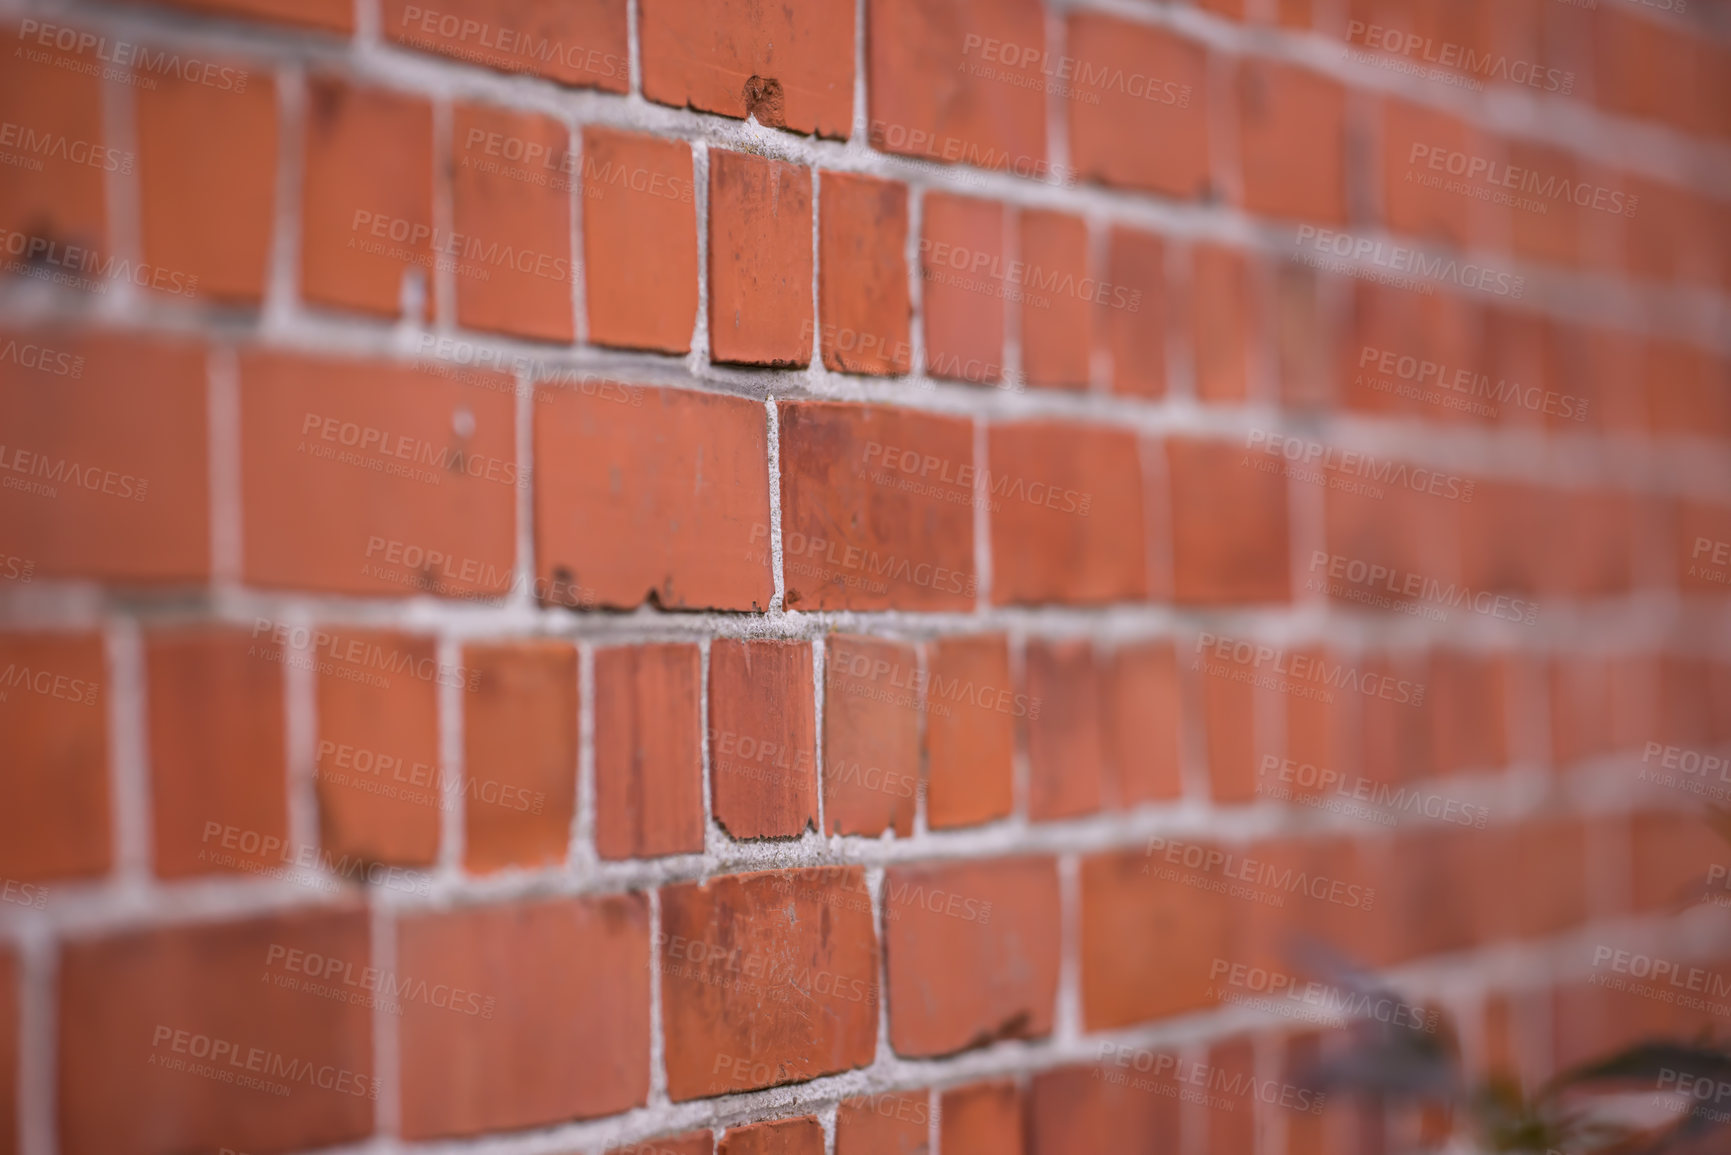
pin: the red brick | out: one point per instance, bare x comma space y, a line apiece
1307, 338
1141, 722
742, 1006
207, 182
649, 494
322, 15
1229, 699
60, 98
962, 266
217, 758
690, 1143
1672, 854
1470, 698
972, 951
1057, 309
1066, 509
789, 65
1703, 557
131, 1005
54, 728
759, 260
762, 737
1421, 143
639, 240
519, 754
581, 43
1230, 1120
852, 537
801, 1136
971, 708
863, 304
1411, 534
1687, 392
1113, 121
981, 1119
871, 743
1396, 730
933, 96
120, 449
648, 751
1066, 739
1580, 696
1135, 331
513, 259
1554, 234
367, 185
1224, 322
1081, 1111
886, 1124
1551, 868
10, 1045
378, 769
1229, 526
1503, 532
565, 981
367, 478
1148, 942
1292, 142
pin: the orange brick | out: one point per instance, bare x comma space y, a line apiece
863, 305
1066, 512
105, 455
796, 60
1079, 1111
759, 260
762, 737
371, 478
1164, 99
1066, 743
981, 1119
1229, 526
519, 754
886, 1124
322, 15
1422, 144
1224, 322
378, 771
1057, 309
207, 182
1229, 710
54, 726
218, 780
972, 950
1141, 723
852, 536
801, 1136
962, 268
581, 44
742, 1007
64, 203
1134, 329
690, 1143
971, 708
871, 753
513, 259
683, 477
639, 240
1470, 698
1292, 142
134, 1005
565, 980
933, 94
367, 197
648, 752
1148, 941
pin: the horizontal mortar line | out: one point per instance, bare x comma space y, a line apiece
1603, 136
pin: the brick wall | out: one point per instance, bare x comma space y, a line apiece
850, 576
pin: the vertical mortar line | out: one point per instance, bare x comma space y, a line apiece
282, 280
387, 1040
777, 563
452, 774
369, 23
122, 195
1057, 99
443, 282
1100, 364
1021, 770
1221, 68
128, 755
697, 362
582, 854
1181, 372
982, 506
658, 1099
1365, 160
816, 349
878, 895
300, 730
817, 677
574, 202
934, 1121
705, 754
1067, 1020
1012, 379
523, 591
223, 446
634, 46
922, 723
916, 286
861, 133
826, 1117
38, 1042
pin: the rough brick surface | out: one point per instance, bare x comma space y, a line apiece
65, 200
1135, 83
54, 720
1217, 558
888, 1123
962, 270
981, 1119
971, 711
1065, 737
519, 754
801, 1136
863, 308
648, 752
1058, 305
762, 738
582, 44
871, 742
639, 240
759, 260
1292, 142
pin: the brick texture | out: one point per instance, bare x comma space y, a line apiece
648, 757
